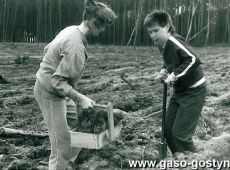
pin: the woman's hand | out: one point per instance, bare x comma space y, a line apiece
86, 102
82, 100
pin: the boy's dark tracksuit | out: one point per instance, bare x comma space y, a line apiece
189, 94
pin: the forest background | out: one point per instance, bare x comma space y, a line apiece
201, 22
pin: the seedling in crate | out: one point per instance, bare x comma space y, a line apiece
95, 120
97, 127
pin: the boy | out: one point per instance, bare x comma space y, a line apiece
182, 70
56, 80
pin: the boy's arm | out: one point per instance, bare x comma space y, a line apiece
181, 70
188, 61
162, 74
163, 69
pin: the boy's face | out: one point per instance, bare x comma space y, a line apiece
158, 34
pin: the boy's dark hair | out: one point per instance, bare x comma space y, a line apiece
161, 18
101, 12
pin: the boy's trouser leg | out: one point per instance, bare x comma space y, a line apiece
54, 112
191, 103
169, 121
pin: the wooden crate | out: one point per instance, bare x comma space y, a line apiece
97, 141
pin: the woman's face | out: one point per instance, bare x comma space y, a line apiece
158, 34
95, 31
97, 26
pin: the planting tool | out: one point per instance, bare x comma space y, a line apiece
163, 144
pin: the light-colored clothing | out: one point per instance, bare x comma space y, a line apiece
54, 112
56, 80
63, 62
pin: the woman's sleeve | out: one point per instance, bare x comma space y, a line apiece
70, 66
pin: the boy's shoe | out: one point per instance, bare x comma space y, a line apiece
182, 155
179, 156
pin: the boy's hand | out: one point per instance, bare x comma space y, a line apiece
161, 76
171, 79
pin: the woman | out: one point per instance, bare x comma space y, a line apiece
56, 80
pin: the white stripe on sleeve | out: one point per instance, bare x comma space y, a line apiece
190, 54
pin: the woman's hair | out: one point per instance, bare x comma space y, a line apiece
161, 18
102, 13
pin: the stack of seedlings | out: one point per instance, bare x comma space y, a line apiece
95, 120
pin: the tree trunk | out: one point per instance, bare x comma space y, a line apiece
136, 28
25, 24
1, 18
114, 26
124, 23
165, 5
69, 12
8, 21
50, 18
140, 10
228, 23
14, 22
193, 10
202, 24
208, 29
60, 14
38, 20
4, 22
227, 28
45, 22
195, 35
189, 14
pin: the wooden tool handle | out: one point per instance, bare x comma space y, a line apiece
111, 121
163, 152
100, 105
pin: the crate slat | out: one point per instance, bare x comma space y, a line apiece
93, 141
97, 141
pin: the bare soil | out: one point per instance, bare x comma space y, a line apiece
102, 81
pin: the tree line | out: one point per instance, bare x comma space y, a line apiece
201, 22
